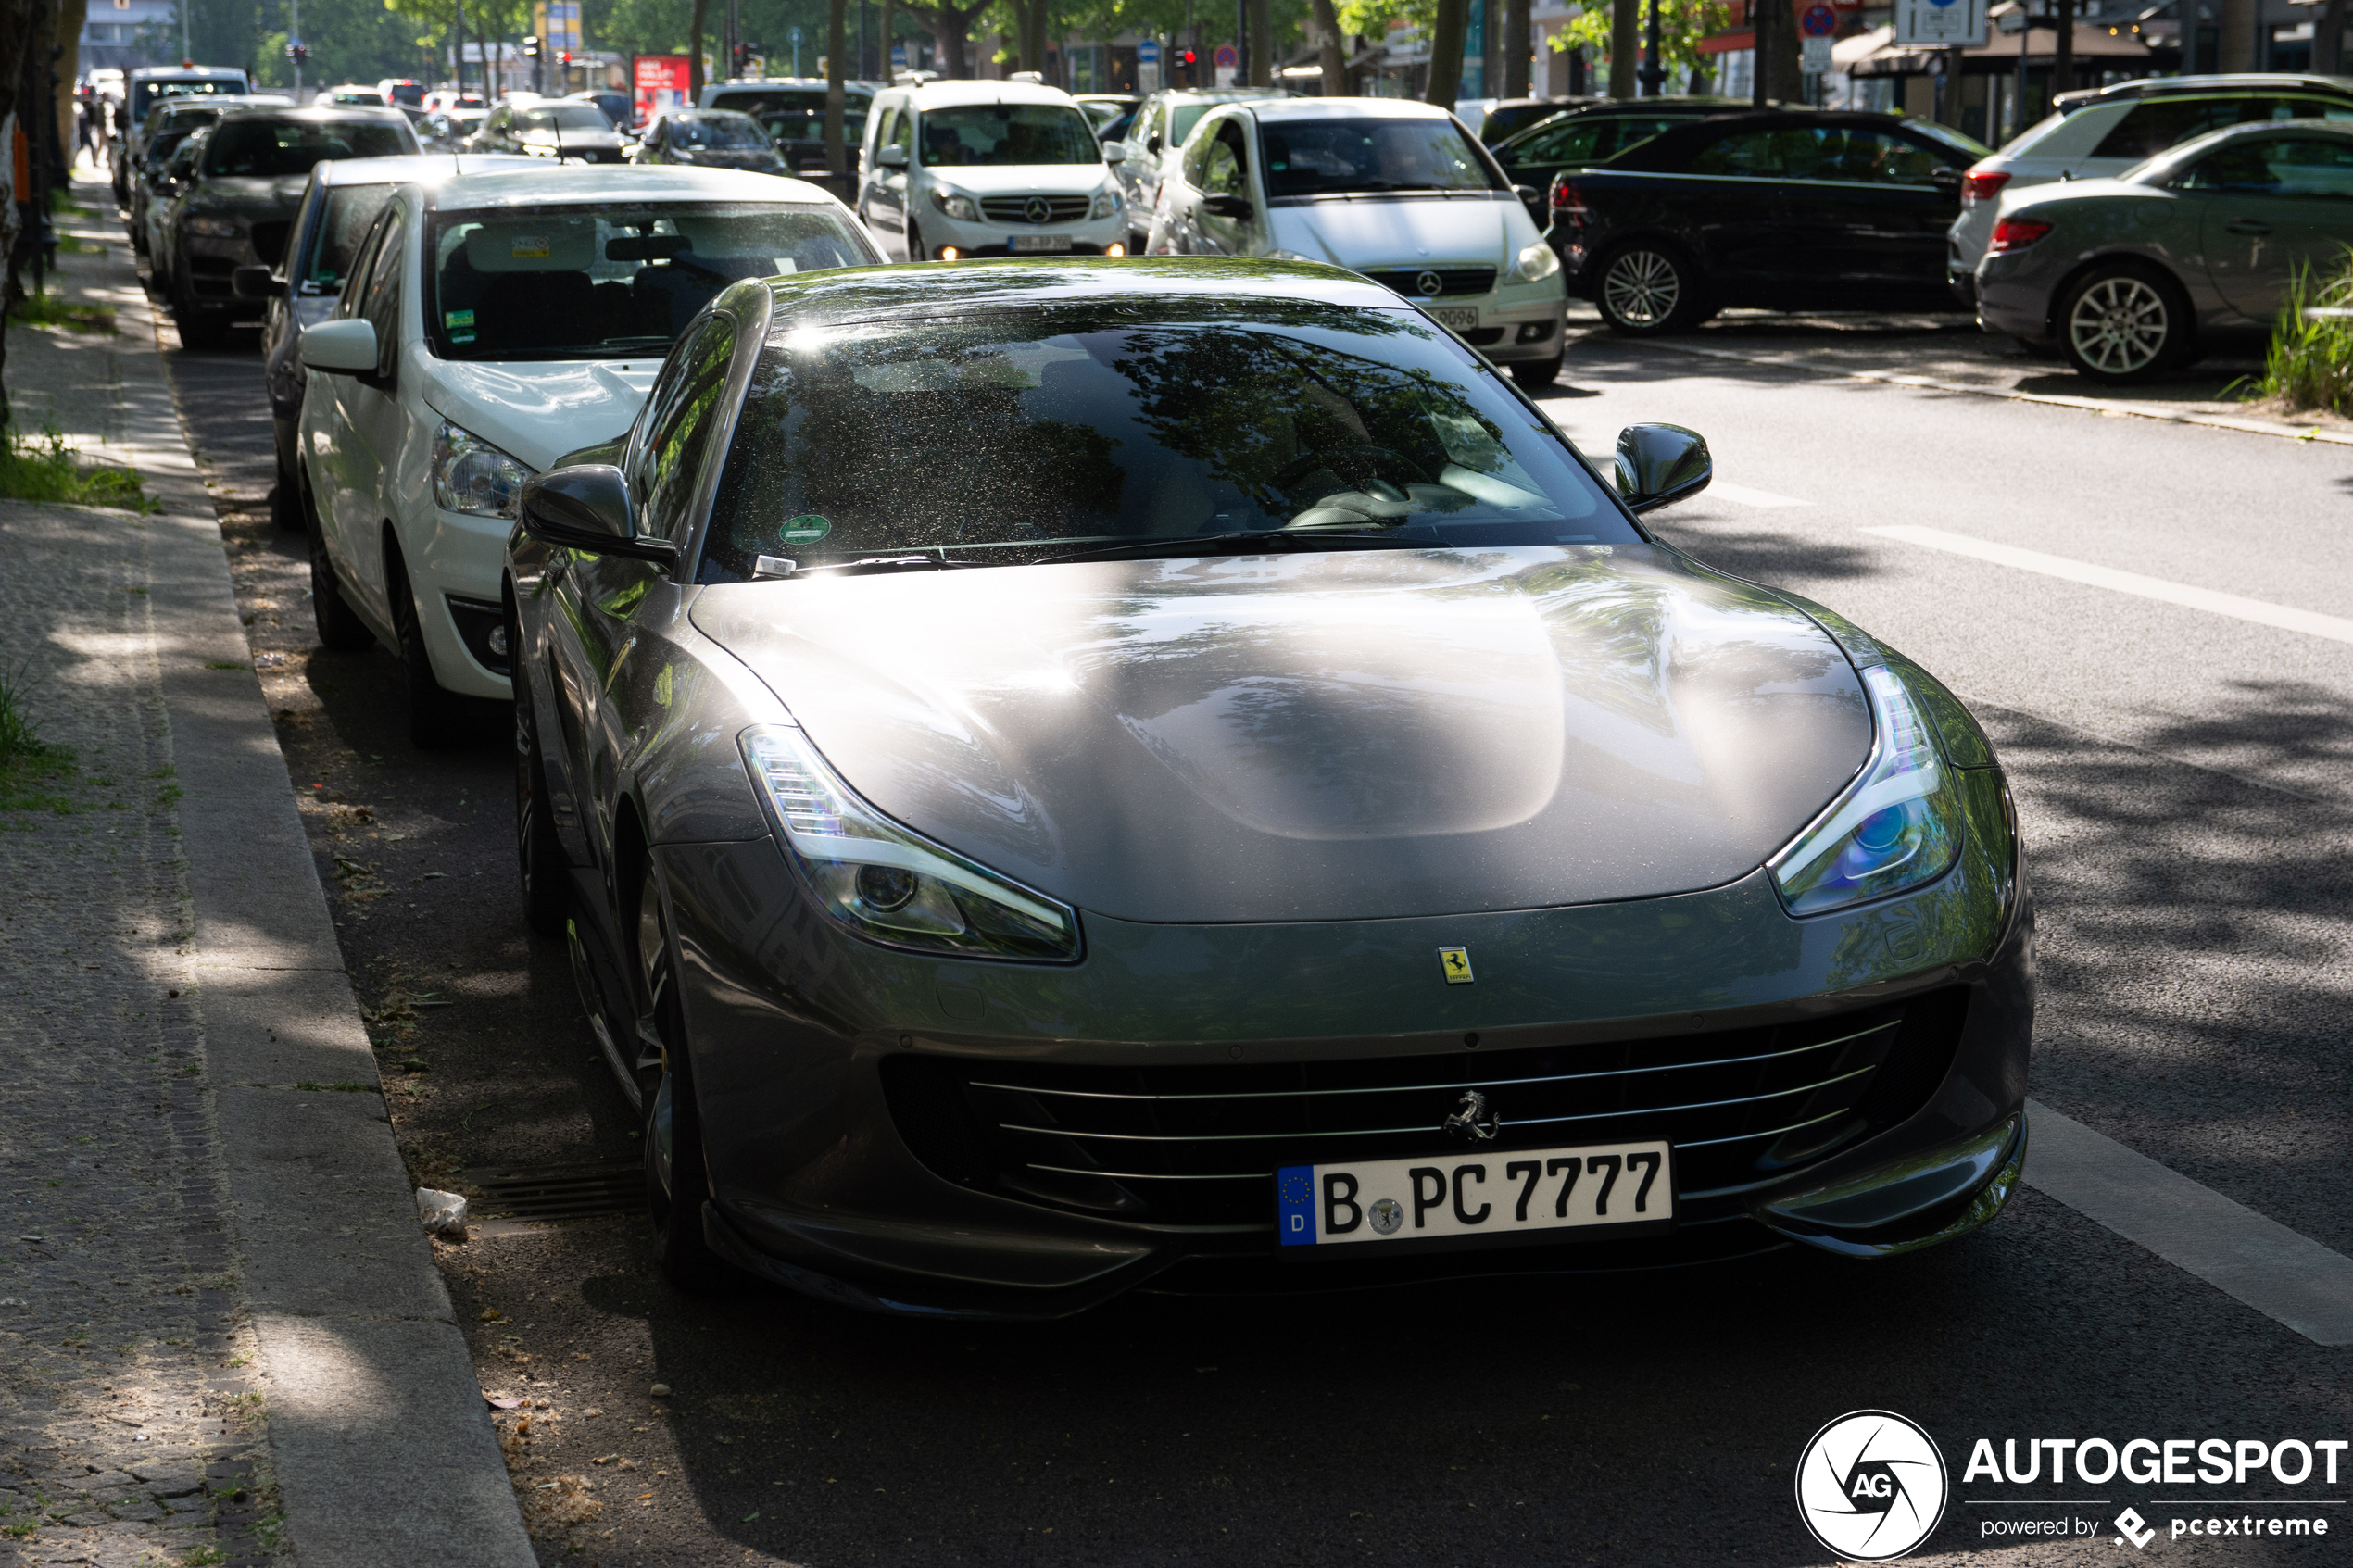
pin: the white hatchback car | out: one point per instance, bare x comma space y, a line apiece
490, 324
1394, 190
957, 169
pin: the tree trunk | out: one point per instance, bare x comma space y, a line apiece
1625, 24
1778, 66
2328, 37
693, 51
2234, 25
1446, 53
882, 61
1261, 43
1516, 49
2063, 50
1331, 50
71, 14
836, 41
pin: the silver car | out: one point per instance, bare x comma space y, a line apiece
2096, 135
2133, 276
1154, 139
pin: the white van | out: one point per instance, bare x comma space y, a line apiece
1397, 191
955, 169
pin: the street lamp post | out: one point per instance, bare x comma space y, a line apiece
1654, 72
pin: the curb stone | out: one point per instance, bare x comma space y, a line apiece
382, 1448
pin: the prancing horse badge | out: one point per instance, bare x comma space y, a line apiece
1456, 962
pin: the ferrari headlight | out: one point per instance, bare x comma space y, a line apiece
1535, 264
216, 227
471, 476
884, 882
955, 204
1896, 827
1106, 203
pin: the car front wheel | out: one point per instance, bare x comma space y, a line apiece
2125, 324
1647, 289
678, 1182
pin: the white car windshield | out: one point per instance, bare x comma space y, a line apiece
574, 118
1308, 158
989, 136
570, 282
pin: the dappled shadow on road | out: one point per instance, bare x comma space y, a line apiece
1726, 537
2196, 943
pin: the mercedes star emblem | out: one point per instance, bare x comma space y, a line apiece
1429, 282
1038, 211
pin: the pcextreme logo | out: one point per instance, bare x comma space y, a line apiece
1872, 1486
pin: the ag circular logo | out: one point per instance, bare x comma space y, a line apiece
1872, 1486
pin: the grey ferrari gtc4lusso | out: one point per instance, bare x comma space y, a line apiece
1058, 775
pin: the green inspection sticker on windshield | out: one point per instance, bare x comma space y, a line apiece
806, 530
458, 319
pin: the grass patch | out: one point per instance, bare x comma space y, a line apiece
53, 311
72, 246
30, 769
2310, 363
43, 467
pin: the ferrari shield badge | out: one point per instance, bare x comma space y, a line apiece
1456, 963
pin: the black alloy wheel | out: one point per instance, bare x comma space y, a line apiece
1535, 375
1647, 289
545, 869
436, 715
2123, 322
340, 628
678, 1182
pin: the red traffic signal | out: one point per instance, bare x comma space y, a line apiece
1186, 58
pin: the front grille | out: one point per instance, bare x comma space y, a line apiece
1199, 1145
1017, 209
1451, 280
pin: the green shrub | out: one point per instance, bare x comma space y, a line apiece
52, 310
43, 468
2309, 364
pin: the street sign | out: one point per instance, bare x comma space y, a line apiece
1941, 24
1227, 58
1817, 21
1148, 51
1814, 58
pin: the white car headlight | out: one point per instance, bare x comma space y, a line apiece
1536, 262
955, 204
471, 476
1896, 827
1106, 202
216, 227
884, 882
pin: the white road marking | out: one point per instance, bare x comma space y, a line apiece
2289, 1278
1743, 495
2263, 613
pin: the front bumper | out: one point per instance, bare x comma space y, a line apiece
1513, 328
1093, 237
456, 565
901, 1133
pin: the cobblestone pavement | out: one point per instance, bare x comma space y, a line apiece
128, 1431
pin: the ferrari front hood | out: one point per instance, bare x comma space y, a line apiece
1305, 737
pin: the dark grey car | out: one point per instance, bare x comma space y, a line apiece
2132, 276
239, 205
709, 139
1061, 775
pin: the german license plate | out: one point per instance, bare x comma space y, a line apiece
1467, 1198
1461, 318
1021, 243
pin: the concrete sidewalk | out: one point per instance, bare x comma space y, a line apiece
223, 1334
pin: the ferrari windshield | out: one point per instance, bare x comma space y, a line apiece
1140, 428
568, 282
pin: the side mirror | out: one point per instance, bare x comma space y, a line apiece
346, 347
1226, 206
892, 156
1152, 143
1659, 465
1115, 152
586, 508
252, 282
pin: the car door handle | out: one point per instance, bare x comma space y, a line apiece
2246, 226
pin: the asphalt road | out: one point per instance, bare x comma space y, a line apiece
2185, 783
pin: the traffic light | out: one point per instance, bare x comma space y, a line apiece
297, 51
531, 48
564, 57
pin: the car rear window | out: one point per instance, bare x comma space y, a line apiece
1000, 438
271, 149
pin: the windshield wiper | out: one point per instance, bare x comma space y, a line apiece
1263, 539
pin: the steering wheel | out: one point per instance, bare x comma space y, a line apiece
1331, 457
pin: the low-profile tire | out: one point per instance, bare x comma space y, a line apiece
1647, 288
678, 1182
1535, 375
544, 868
915, 242
2123, 322
436, 715
340, 628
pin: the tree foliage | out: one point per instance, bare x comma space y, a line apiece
1681, 24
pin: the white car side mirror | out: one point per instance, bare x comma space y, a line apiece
893, 157
347, 347
1115, 152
